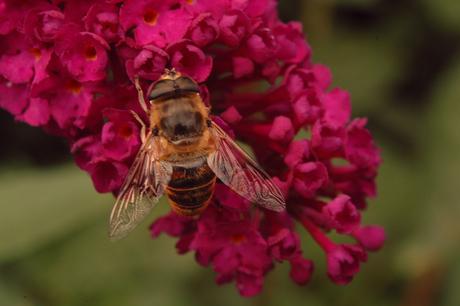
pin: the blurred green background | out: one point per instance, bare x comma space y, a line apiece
400, 60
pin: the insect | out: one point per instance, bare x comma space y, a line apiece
182, 154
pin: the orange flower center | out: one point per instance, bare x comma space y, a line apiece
150, 16
36, 52
125, 131
123, 100
237, 238
108, 26
74, 86
90, 53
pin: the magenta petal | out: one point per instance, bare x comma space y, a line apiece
223, 125
271, 69
323, 77
341, 215
37, 113
229, 198
190, 60
103, 20
75, 11
172, 224
43, 25
18, 68
120, 136
108, 176
253, 8
328, 140
284, 245
226, 261
150, 62
88, 149
249, 285
234, 27
358, 190
231, 115
344, 262
14, 97
71, 107
13, 12
370, 237
183, 244
298, 152
204, 30
360, 148
261, 46
298, 80
338, 107
284, 186
309, 177
242, 66
154, 22
118, 142
293, 47
308, 107
301, 270
83, 53
224, 278
236, 249
42, 79
282, 130
217, 8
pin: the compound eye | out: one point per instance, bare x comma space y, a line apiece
187, 84
161, 88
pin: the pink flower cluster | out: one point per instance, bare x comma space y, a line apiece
68, 67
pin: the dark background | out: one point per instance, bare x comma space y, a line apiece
400, 61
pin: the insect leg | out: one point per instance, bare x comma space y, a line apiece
140, 92
216, 201
143, 125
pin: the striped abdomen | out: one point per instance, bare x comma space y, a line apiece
190, 189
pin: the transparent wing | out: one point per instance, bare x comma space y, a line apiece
143, 187
236, 169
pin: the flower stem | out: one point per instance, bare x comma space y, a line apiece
326, 244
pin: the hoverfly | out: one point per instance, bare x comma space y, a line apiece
181, 156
